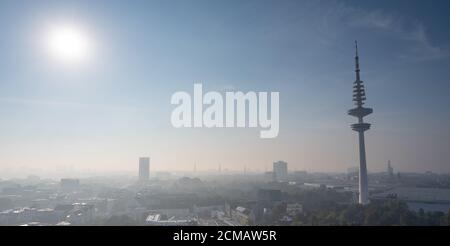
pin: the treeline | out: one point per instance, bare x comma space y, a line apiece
377, 213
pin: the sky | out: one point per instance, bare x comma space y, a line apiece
102, 114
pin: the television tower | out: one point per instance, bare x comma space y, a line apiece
359, 96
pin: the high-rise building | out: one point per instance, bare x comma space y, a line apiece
359, 96
280, 171
144, 168
390, 169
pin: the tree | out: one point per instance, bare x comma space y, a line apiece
120, 220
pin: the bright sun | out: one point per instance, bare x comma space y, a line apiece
69, 44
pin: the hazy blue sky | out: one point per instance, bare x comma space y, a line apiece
106, 113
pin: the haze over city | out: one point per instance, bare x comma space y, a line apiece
98, 104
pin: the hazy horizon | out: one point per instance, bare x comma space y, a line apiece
104, 113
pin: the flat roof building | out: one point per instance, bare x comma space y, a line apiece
280, 171
144, 168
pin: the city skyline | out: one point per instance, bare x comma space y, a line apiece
104, 113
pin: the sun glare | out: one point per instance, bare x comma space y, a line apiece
69, 44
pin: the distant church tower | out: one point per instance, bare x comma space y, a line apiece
359, 96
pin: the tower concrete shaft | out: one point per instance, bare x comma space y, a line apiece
363, 181
359, 96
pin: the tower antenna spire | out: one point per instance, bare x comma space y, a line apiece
357, 61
